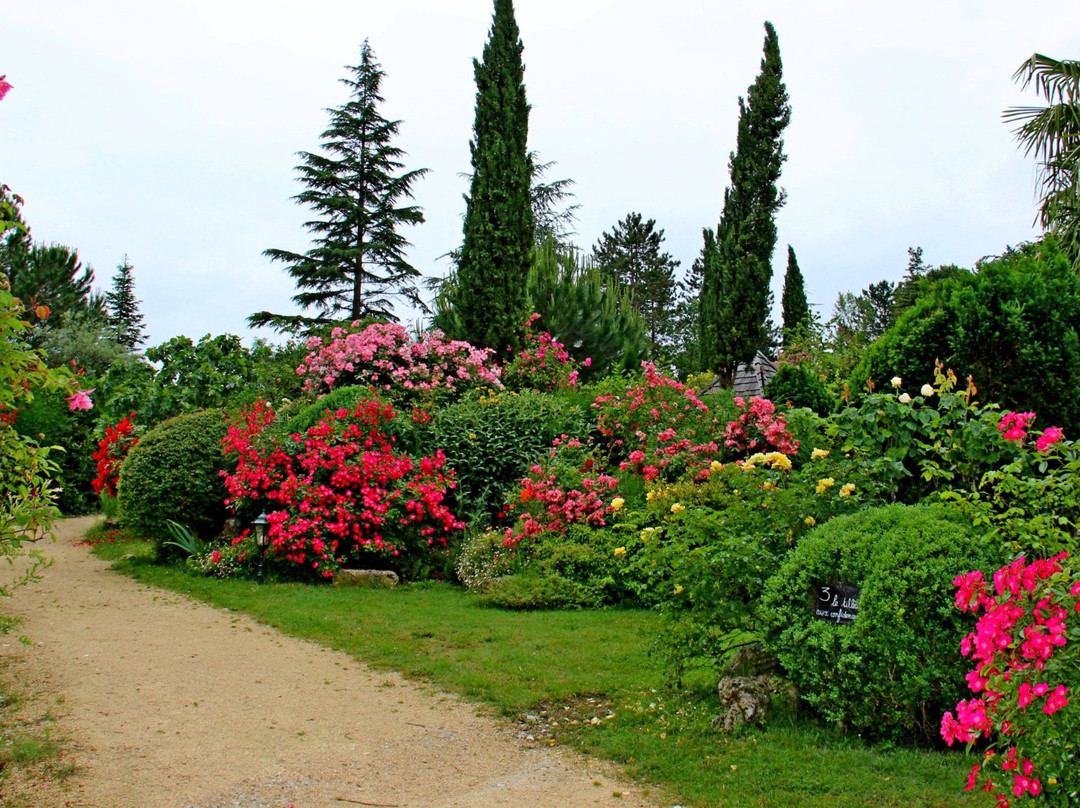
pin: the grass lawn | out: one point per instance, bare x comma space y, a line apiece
584, 678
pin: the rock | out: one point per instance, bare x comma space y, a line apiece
231, 530
375, 579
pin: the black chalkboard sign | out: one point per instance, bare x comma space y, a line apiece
837, 603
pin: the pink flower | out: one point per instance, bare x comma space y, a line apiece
81, 399
5, 85
1050, 436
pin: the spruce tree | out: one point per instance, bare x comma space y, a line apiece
490, 296
357, 267
735, 285
793, 305
631, 255
125, 320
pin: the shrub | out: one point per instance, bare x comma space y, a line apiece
794, 386
490, 441
890, 672
531, 591
174, 472
47, 420
110, 454
341, 491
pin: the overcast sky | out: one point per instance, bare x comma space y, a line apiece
168, 131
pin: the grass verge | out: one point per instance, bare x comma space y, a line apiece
583, 678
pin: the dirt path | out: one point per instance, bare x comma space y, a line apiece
172, 703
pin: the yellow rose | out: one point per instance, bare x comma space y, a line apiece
847, 489
677, 507
649, 497
619, 551
810, 521
817, 454
617, 503
678, 589
716, 465
824, 484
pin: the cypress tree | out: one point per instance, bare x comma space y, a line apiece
795, 309
125, 320
357, 266
490, 294
735, 286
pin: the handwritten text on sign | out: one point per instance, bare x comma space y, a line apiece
837, 603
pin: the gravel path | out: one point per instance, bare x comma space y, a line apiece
171, 703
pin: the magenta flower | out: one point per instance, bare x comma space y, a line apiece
81, 400
5, 85
1050, 436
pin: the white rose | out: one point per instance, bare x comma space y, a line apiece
904, 398
897, 381
927, 390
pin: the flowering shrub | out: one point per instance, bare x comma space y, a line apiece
568, 488
339, 490
385, 356
758, 427
658, 428
543, 364
1024, 681
111, 452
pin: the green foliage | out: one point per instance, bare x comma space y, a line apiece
86, 340
735, 294
347, 397
183, 539
535, 591
500, 228
490, 441
47, 420
48, 275
357, 265
1052, 133
1012, 325
173, 472
125, 319
795, 309
794, 386
891, 672
630, 256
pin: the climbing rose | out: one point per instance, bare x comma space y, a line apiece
1050, 436
81, 400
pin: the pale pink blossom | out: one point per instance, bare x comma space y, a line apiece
81, 400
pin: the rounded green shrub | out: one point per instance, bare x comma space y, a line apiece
490, 441
793, 386
174, 473
890, 672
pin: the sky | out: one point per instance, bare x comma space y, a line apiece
168, 132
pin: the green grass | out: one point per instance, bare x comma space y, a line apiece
587, 679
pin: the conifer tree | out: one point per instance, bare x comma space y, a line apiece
735, 285
631, 255
125, 320
500, 230
357, 266
793, 305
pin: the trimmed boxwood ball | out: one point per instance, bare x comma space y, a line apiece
891, 672
173, 472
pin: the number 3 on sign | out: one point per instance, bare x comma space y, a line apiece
825, 595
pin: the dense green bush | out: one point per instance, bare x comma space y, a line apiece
891, 672
48, 421
1012, 325
490, 441
794, 386
534, 591
174, 473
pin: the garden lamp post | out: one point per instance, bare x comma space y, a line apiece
260, 539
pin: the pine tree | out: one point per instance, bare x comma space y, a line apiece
631, 255
357, 266
793, 305
500, 229
125, 320
735, 287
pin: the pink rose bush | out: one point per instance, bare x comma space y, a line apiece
759, 429
1026, 670
543, 364
386, 357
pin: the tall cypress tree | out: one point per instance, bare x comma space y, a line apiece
500, 227
735, 284
125, 320
357, 266
795, 309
